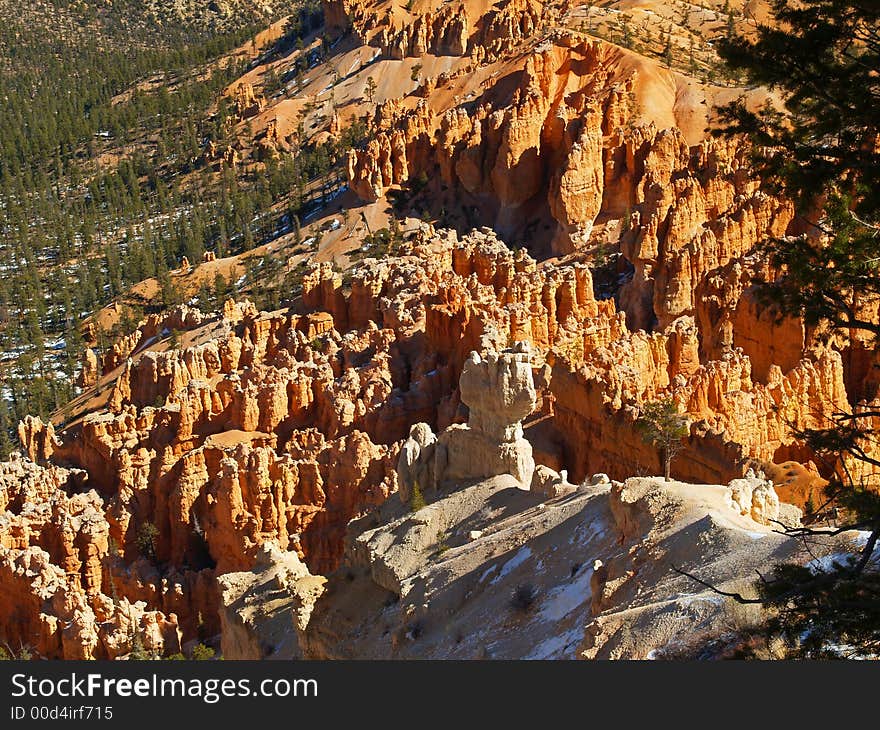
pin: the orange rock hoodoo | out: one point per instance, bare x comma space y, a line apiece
58, 572
281, 427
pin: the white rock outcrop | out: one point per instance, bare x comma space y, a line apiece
754, 497
499, 391
264, 611
549, 484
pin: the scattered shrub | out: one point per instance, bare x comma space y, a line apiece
201, 652
417, 500
442, 544
524, 597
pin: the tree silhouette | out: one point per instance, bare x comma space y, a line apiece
663, 426
821, 151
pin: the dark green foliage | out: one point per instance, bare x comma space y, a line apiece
417, 499
201, 652
382, 243
105, 179
663, 426
24, 653
75, 233
6, 427
825, 613
138, 651
308, 19
442, 542
823, 55
147, 535
272, 82
821, 152
604, 267
261, 279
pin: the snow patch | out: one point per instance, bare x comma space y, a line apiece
558, 647
829, 562
688, 599
563, 600
523, 554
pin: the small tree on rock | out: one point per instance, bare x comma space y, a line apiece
661, 425
417, 500
147, 535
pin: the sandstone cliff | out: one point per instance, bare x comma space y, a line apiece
244, 455
281, 427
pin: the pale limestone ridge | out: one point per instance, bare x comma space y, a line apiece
263, 611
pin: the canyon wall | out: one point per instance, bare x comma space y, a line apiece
271, 431
281, 427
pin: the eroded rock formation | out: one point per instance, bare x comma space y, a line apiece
246, 452
499, 393
282, 427
57, 573
265, 610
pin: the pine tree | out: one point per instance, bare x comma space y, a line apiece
821, 152
661, 425
6, 427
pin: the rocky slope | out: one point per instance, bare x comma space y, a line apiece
208, 489
281, 427
493, 568
493, 571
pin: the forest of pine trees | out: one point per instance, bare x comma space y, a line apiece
79, 226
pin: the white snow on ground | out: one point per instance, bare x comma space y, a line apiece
487, 573
558, 647
862, 540
687, 599
566, 598
827, 564
523, 554
588, 532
